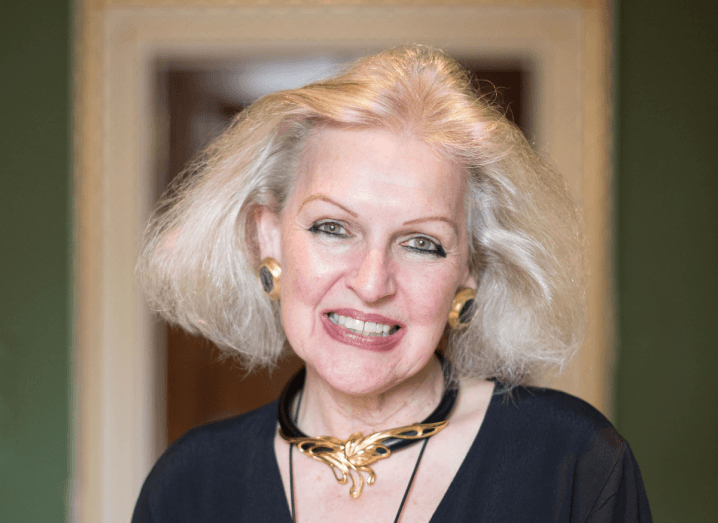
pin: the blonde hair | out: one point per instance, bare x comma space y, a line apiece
199, 260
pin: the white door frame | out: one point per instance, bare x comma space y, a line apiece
117, 373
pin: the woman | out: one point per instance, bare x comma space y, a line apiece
377, 207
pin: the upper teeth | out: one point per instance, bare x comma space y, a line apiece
366, 328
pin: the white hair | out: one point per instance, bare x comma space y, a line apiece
200, 255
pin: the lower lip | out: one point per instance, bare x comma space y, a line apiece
375, 343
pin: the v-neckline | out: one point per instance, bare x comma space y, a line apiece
464, 468
453, 486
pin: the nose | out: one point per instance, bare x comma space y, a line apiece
373, 279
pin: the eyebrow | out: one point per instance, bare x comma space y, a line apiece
324, 198
327, 199
435, 219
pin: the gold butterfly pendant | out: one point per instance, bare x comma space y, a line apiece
352, 457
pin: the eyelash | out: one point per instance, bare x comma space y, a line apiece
438, 251
315, 228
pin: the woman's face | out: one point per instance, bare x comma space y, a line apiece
372, 243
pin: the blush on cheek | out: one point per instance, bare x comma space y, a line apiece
307, 281
431, 297
323, 266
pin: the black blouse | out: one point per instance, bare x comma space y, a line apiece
540, 455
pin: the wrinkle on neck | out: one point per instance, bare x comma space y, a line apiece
326, 411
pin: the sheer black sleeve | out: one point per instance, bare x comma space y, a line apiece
623, 496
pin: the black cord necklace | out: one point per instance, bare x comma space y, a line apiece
439, 415
351, 457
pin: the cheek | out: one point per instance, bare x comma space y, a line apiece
309, 275
429, 296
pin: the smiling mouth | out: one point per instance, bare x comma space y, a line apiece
365, 328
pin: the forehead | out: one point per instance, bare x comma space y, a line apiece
381, 169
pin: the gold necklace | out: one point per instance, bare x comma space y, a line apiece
351, 457
403, 499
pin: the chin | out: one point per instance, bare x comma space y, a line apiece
356, 386
359, 372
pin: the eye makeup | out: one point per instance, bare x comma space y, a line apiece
425, 245
329, 228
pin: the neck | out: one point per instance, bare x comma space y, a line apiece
328, 411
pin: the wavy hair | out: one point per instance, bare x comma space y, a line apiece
199, 258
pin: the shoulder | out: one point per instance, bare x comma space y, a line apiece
553, 418
544, 455
552, 409
221, 439
209, 462
587, 455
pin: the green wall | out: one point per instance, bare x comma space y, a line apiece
667, 250
34, 259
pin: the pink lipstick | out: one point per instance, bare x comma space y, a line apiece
378, 342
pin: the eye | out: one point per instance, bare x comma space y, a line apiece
329, 228
425, 245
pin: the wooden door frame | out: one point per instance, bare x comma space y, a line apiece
117, 372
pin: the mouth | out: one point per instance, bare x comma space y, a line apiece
363, 328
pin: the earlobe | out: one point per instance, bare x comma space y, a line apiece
269, 236
470, 281
463, 307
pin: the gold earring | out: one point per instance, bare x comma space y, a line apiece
270, 274
463, 309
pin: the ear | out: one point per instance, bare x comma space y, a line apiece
470, 282
269, 237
